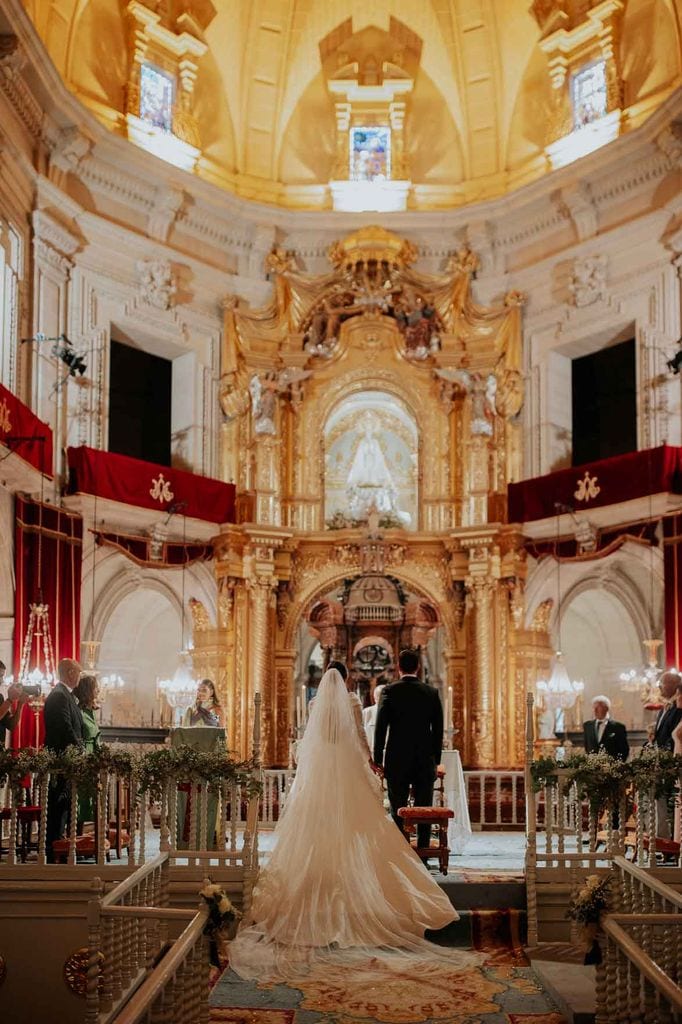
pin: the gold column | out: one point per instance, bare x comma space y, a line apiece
261, 678
481, 690
267, 451
284, 700
484, 675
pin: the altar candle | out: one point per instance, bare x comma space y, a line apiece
298, 712
304, 704
449, 707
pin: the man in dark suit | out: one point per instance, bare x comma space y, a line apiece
63, 728
667, 720
602, 733
411, 712
669, 716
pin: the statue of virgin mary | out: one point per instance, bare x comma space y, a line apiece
370, 483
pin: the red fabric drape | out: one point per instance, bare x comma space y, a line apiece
621, 478
140, 550
22, 432
672, 562
146, 485
48, 554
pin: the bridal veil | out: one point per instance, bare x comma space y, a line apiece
342, 883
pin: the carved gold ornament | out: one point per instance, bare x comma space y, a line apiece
76, 971
5, 421
587, 488
161, 489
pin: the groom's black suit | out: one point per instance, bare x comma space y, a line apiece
411, 712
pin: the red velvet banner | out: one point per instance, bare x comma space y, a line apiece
22, 432
146, 485
605, 482
48, 553
672, 563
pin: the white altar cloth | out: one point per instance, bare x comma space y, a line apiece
459, 828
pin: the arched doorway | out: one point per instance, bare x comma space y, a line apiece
140, 643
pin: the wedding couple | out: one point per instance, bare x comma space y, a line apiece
342, 884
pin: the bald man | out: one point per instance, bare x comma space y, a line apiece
63, 728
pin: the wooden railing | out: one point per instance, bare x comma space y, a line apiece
133, 973
176, 992
494, 798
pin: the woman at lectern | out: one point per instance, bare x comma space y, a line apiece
206, 709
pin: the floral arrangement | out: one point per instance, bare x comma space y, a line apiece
591, 901
341, 521
586, 908
604, 780
223, 920
152, 769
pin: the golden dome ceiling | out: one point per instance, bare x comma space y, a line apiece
267, 95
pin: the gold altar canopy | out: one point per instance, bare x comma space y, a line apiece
371, 427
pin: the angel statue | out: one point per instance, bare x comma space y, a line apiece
264, 392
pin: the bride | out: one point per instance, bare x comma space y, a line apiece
342, 882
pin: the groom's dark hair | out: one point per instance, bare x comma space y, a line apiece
340, 668
408, 661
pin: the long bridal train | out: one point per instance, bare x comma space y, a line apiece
342, 884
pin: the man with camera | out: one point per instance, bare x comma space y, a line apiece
8, 717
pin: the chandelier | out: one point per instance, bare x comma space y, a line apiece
38, 629
180, 690
644, 680
559, 692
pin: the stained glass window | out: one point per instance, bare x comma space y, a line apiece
588, 94
156, 97
370, 154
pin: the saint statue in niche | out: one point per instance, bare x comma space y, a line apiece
370, 485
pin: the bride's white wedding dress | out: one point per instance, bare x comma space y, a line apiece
341, 881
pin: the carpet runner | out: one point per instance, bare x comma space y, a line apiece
503, 990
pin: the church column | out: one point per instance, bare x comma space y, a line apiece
260, 598
267, 451
481, 584
285, 699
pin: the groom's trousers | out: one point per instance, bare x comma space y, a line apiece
422, 792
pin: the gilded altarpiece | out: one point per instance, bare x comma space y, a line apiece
373, 330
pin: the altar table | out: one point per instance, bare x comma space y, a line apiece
455, 795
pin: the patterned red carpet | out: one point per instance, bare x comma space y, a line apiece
503, 990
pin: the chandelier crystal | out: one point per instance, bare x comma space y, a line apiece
180, 690
559, 692
42, 672
644, 679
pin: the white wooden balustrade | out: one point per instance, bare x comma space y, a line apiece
494, 797
127, 935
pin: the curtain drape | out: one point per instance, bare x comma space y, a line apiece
48, 555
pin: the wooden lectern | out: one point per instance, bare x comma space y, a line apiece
207, 740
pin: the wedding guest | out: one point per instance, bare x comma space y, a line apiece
9, 717
206, 710
369, 715
603, 733
86, 693
63, 728
677, 749
668, 718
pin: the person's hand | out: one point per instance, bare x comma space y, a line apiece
376, 768
14, 691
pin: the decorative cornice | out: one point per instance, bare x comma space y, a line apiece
49, 231
12, 62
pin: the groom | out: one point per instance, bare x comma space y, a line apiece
411, 712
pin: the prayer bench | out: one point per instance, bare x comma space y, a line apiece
438, 816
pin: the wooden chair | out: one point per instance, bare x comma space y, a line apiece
432, 816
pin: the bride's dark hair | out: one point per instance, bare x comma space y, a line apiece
340, 668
